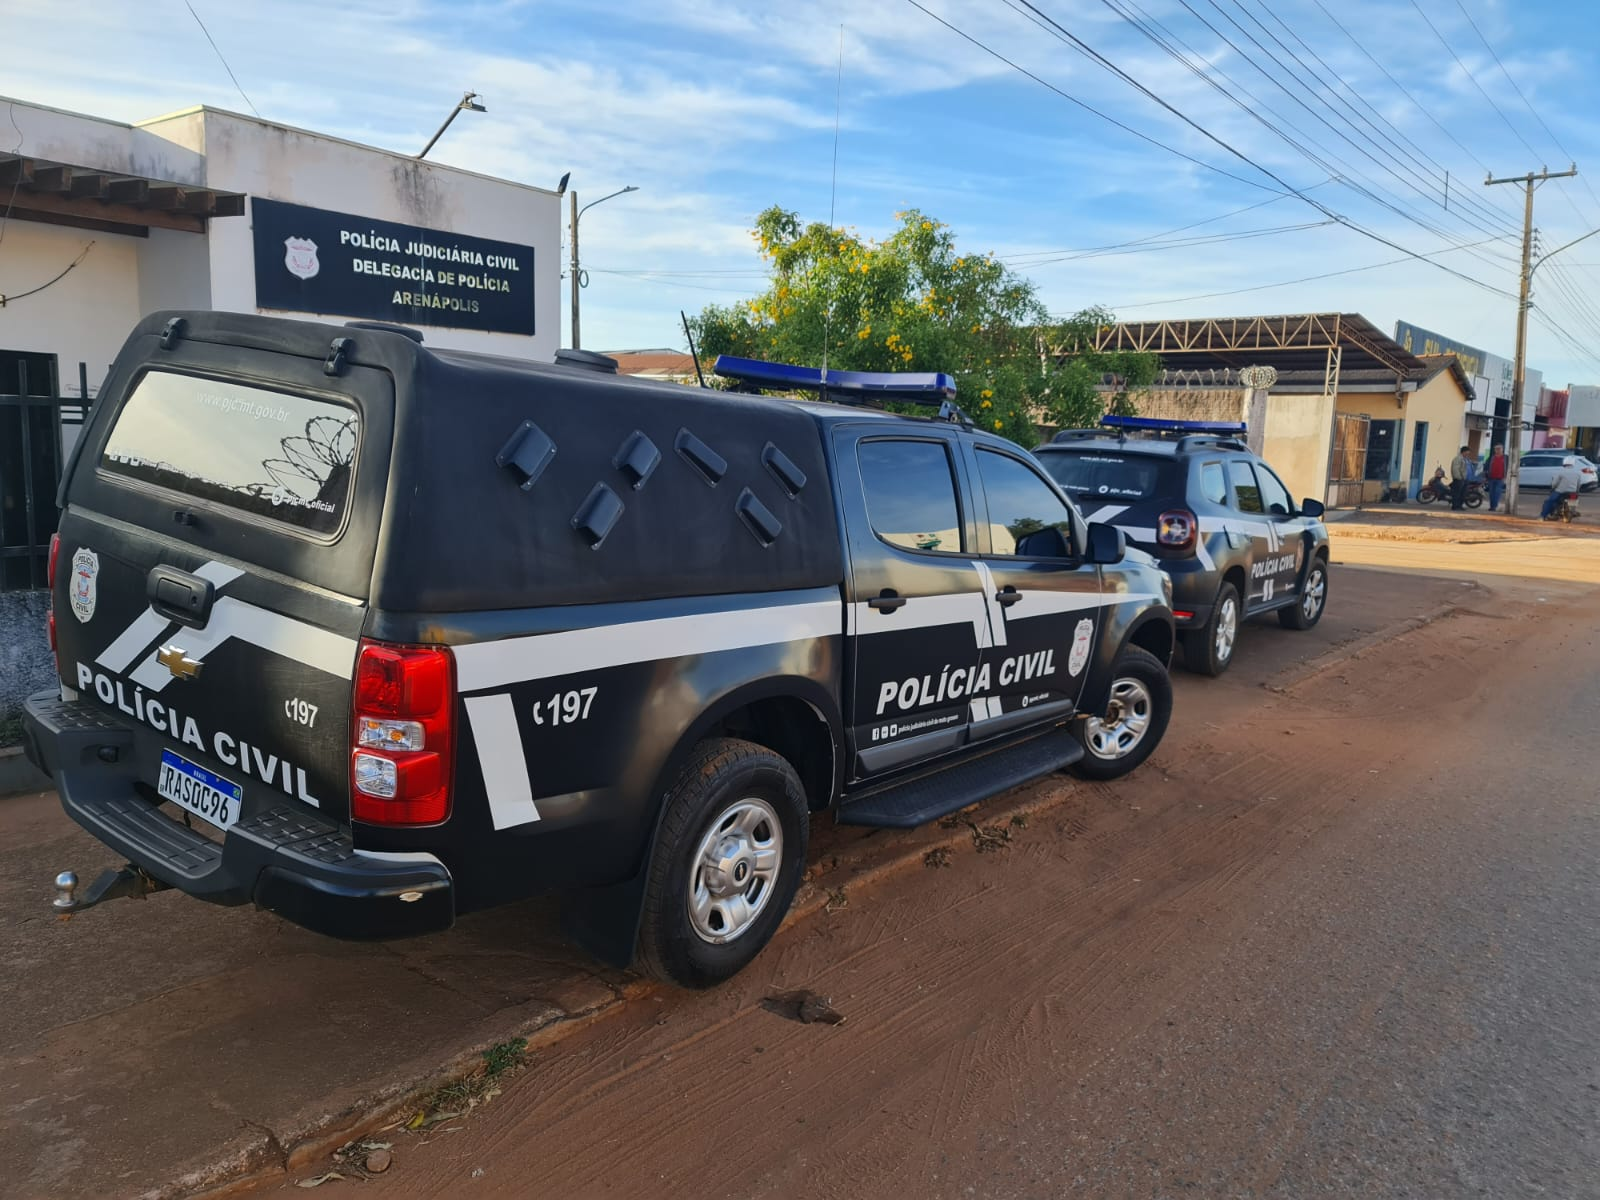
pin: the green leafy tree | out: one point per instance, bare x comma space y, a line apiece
913, 302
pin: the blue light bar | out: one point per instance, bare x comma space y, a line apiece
1163, 425
918, 387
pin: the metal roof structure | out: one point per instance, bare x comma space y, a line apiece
93, 198
1304, 342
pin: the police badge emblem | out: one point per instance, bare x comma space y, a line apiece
85, 570
300, 257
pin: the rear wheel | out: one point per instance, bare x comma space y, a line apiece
727, 863
1474, 499
1134, 721
1209, 650
1307, 611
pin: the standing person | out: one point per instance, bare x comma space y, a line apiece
1458, 481
1565, 483
1496, 473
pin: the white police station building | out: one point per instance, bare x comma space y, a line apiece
103, 222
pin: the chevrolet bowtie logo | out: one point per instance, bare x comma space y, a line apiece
179, 663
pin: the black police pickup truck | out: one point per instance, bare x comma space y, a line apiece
372, 635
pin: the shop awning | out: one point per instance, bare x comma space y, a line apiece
90, 198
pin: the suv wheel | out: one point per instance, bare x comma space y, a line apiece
1208, 651
1134, 721
1307, 611
727, 863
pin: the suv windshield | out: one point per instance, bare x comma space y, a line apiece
1112, 474
271, 453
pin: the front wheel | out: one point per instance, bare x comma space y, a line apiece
1307, 611
1134, 721
1426, 494
727, 863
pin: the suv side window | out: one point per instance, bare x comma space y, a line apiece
1212, 485
1020, 501
911, 494
1275, 495
1246, 493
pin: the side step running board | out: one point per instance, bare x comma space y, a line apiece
929, 797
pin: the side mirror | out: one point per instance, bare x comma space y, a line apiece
1107, 545
1048, 542
1312, 508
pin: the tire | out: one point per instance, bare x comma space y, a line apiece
1208, 651
689, 933
1426, 495
1473, 499
1307, 610
1141, 706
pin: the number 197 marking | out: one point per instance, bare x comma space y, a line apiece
565, 707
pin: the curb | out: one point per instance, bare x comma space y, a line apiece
278, 1156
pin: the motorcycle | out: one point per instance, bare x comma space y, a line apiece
1438, 488
1567, 510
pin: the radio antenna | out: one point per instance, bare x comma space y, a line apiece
693, 353
833, 194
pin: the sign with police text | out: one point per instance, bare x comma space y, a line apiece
311, 260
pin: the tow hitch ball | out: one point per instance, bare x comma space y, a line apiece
129, 881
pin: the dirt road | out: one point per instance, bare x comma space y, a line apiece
1334, 940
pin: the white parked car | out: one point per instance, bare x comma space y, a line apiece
1538, 468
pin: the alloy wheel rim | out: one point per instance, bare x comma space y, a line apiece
734, 871
1127, 720
1227, 629
1316, 588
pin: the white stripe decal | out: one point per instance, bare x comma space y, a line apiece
272, 631
502, 760
995, 610
928, 612
481, 665
148, 625
1102, 516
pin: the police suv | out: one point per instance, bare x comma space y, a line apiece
372, 635
1216, 517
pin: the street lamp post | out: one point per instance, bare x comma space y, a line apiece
467, 103
572, 237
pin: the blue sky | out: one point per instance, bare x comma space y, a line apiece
716, 110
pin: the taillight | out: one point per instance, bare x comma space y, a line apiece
1177, 529
50, 581
402, 734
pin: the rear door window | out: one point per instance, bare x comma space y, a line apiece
1108, 475
911, 494
1246, 492
1212, 485
278, 455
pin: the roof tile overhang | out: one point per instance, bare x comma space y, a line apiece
67, 194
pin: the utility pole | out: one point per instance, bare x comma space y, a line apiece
572, 270
572, 237
1520, 370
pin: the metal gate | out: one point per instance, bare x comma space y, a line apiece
31, 460
1347, 467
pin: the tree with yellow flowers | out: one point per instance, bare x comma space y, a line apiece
913, 302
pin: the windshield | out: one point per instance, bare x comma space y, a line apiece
276, 454
1111, 475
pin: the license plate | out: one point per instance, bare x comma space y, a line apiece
190, 786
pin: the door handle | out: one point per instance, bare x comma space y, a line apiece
1008, 595
887, 601
180, 596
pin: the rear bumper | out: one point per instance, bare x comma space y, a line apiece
287, 859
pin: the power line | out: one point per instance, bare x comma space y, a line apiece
1071, 99
1210, 239
1239, 154
220, 58
1443, 41
1263, 287
1521, 95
